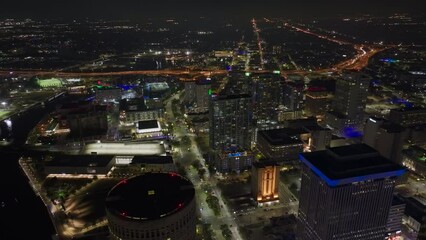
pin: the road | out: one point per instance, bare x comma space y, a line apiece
185, 157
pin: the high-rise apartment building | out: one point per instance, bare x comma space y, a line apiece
267, 97
346, 194
293, 96
230, 121
202, 94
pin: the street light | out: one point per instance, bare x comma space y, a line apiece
4, 105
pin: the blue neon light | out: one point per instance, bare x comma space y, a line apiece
389, 60
339, 182
351, 132
237, 154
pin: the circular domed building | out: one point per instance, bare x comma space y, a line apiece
152, 206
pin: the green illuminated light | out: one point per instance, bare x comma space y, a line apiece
247, 74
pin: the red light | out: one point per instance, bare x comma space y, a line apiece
173, 174
99, 82
123, 181
180, 205
123, 214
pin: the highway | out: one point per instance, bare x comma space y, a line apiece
359, 61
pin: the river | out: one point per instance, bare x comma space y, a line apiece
22, 214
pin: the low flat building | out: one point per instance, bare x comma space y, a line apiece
414, 158
155, 163
135, 110
79, 165
281, 145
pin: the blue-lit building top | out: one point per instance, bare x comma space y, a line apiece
349, 164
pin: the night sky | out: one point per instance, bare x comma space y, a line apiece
134, 9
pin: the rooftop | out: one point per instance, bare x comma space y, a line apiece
148, 124
264, 163
316, 128
80, 161
132, 105
157, 86
152, 160
349, 164
408, 109
416, 209
282, 136
125, 149
150, 196
415, 152
392, 127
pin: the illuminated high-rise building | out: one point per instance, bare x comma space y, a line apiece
230, 121
231, 114
293, 95
267, 97
317, 103
349, 102
346, 194
264, 181
202, 94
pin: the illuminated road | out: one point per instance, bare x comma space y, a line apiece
259, 42
359, 61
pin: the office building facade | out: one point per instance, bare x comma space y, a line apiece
346, 194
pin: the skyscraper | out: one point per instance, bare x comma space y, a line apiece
230, 120
346, 194
293, 95
202, 90
349, 102
386, 137
267, 97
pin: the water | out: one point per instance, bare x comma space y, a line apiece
22, 214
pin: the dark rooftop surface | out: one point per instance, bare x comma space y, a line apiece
150, 196
351, 161
282, 136
392, 127
133, 105
79, 161
152, 159
262, 163
94, 109
415, 209
316, 128
232, 96
397, 200
337, 114
408, 109
147, 124
416, 153
352, 150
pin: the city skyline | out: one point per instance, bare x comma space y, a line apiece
213, 120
